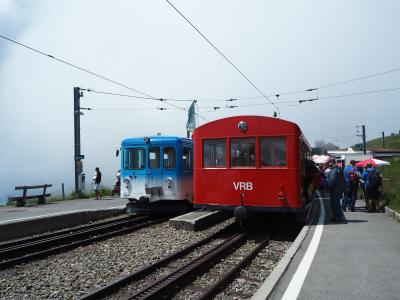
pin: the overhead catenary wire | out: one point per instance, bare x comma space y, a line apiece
139, 97
165, 100
148, 96
326, 85
256, 97
75, 66
287, 103
348, 95
226, 58
120, 95
130, 108
359, 78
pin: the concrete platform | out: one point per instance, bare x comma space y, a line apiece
18, 222
198, 220
359, 259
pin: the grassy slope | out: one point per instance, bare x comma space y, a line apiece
391, 184
391, 142
391, 174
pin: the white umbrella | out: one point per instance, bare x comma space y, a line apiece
320, 159
381, 162
373, 161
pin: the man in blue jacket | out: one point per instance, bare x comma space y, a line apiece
372, 182
351, 177
336, 189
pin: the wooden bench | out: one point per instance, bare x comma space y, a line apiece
21, 200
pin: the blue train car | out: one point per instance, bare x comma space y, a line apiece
157, 173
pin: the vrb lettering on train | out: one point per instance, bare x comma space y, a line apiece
243, 186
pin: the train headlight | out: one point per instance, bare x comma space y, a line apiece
126, 181
169, 181
242, 125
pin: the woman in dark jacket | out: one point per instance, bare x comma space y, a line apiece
336, 189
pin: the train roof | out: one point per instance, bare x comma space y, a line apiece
154, 140
257, 125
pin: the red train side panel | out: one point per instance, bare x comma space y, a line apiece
251, 161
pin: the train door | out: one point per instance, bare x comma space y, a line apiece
154, 174
169, 171
133, 170
186, 174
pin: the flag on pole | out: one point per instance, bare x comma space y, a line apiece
191, 122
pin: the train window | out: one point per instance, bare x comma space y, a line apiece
169, 158
134, 158
186, 158
154, 157
243, 152
214, 153
273, 151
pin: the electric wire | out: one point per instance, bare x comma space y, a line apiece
359, 93
148, 96
167, 100
76, 67
359, 78
227, 59
130, 108
327, 85
288, 103
139, 97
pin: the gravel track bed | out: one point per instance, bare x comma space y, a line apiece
248, 281
258, 271
161, 272
75, 273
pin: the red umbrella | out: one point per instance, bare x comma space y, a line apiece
363, 163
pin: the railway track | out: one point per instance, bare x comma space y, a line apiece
178, 276
29, 249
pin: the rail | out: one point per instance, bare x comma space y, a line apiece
118, 284
16, 254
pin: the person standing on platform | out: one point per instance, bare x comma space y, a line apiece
325, 182
351, 176
96, 182
336, 189
372, 181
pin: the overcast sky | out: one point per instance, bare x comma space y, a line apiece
280, 46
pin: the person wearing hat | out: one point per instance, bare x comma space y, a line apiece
336, 189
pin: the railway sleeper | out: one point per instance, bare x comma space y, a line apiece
172, 282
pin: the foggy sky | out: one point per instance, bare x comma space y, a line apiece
281, 47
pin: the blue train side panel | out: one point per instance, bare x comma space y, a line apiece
157, 168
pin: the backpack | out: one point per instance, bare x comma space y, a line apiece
352, 177
374, 180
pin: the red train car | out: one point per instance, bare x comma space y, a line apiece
250, 164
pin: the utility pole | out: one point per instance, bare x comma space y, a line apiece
77, 138
363, 137
383, 139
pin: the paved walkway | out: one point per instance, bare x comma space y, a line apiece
8, 213
357, 260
